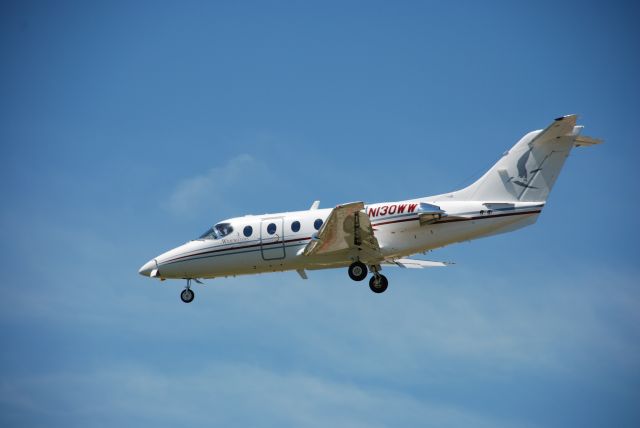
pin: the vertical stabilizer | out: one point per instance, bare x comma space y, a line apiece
529, 170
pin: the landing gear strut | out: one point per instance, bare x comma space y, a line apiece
378, 283
357, 271
187, 294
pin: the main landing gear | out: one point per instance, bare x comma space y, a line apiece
378, 282
358, 271
187, 294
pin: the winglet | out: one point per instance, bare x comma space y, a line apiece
315, 205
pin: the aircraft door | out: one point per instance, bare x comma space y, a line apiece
272, 239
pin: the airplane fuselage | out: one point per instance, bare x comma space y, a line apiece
273, 242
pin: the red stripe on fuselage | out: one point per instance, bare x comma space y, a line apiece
445, 220
233, 248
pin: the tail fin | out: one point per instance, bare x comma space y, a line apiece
528, 171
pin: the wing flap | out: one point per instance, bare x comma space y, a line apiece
346, 229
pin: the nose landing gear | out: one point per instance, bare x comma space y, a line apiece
187, 294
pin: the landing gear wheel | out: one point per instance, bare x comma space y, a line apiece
378, 283
358, 271
187, 295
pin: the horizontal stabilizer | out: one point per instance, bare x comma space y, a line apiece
415, 264
584, 140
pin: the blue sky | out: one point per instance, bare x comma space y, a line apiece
130, 127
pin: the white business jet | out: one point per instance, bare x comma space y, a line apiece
365, 238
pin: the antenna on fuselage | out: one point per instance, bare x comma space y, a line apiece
315, 205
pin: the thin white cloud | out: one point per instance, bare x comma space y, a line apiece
229, 394
549, 328
333, 353
221, 185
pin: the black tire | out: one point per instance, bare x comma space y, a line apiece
187, 295
380, 285
358, 271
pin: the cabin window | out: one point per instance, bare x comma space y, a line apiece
317, 224
271, 229
209, 234
248, 231
218, 231
295, 226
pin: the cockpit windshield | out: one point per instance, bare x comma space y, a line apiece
218, 231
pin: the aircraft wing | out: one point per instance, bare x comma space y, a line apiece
414, 263
346, 229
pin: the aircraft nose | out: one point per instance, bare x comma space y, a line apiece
147, 268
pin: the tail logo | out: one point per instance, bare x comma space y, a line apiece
523, 174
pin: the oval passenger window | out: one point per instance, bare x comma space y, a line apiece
271, 229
